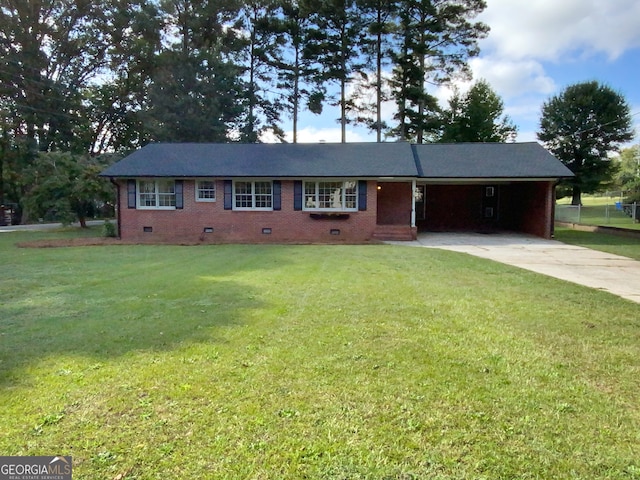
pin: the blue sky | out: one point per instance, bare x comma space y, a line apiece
535, 49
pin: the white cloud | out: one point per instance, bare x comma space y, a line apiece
512, 78
556, 30
328, 135
527, 136
316, 135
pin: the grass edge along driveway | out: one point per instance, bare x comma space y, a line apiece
315, 362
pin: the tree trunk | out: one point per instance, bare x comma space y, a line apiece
343, 111
83, 221
296, 93
420, 136
379, 79
576, 199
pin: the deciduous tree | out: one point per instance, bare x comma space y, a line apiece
194, 94
67, 186
627, 175
581, 126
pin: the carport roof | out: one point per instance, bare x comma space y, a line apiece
326, 160
487, 160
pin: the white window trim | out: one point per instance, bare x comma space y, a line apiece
197, 190
342, 208
139, 206
253, 196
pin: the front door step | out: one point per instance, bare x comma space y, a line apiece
394, 232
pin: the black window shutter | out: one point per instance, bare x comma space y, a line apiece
362, 195
228, 195
179, 194
277, 195
131, 194
297, 195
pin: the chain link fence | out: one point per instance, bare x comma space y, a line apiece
616, 214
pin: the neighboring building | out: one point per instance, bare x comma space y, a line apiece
328, 193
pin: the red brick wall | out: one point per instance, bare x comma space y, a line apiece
530, 207
525, 207
394, 203
453, 207
287, 225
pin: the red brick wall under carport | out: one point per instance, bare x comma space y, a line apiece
453, 208
287, 225
525, 207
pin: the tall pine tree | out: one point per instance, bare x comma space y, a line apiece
335, 43
299, 75
261, 54
435, 39
379, 23
477, 116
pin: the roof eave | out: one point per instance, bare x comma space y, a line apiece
488, 179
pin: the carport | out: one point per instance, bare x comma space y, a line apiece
486, 187
481, 207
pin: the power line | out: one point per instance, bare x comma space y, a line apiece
604, 124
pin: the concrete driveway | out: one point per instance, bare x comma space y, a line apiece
45, 226
604, 271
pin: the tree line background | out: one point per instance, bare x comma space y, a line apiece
94, 77
83, 82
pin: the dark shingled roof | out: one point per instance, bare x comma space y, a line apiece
431, 161
488, 160
267, 160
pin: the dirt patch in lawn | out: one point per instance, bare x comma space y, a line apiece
70, 242
92, 242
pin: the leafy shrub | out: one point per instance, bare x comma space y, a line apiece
109, 229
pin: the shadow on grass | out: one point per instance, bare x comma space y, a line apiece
106, 302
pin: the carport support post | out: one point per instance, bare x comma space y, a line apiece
413, 202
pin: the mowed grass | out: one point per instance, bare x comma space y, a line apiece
625, 246
316, 362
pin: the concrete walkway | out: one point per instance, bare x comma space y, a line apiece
604, 271
45, 226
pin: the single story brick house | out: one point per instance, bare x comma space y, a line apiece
331, 193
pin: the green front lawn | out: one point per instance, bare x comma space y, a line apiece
625, 246
317, 362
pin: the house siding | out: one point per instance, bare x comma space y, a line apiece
229, 226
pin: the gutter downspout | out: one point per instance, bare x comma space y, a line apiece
118, 219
